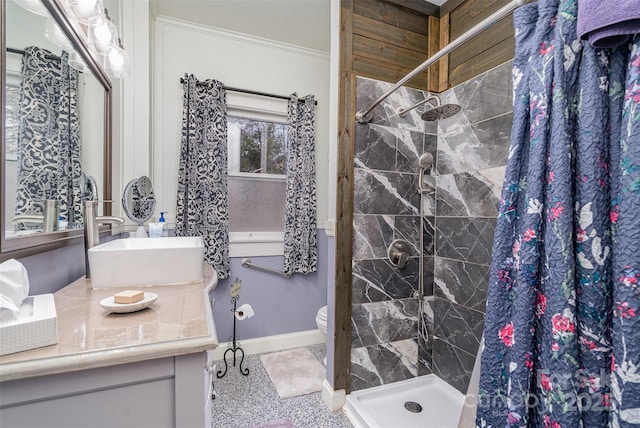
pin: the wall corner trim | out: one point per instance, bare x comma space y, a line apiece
330, 228
333, 399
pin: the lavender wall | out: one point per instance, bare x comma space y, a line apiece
50, 271
281, 305
331, 307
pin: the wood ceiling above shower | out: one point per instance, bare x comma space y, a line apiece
489, 49
391, 38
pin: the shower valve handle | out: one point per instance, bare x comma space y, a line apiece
399, 252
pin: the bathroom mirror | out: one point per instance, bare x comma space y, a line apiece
138, 200
49, 38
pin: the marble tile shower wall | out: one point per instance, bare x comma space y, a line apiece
385, 343
472, 151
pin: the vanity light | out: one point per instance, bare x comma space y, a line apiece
93, 24
54, 34
76, 62
117, 62
33, 6
83, 10
102, 34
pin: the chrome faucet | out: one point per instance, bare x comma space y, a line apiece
49, 218
91, 229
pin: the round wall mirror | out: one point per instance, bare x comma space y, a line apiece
138, 200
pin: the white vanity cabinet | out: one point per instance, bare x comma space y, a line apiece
145, 369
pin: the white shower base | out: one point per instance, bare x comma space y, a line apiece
383, 406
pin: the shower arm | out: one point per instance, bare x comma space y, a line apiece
402, 111
364, 116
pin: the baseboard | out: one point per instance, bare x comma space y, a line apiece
334, 399
275, 343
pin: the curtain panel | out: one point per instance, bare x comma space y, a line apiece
202, 202
300, 229
562, 333
49, 149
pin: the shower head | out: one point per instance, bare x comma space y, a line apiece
425, 161
430, 97
440, 112
436, 112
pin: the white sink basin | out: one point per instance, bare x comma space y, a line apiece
146, 261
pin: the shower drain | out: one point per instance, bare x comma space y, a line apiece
413, 407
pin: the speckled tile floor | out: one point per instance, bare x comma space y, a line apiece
246, 401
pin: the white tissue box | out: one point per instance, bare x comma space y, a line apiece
35, 326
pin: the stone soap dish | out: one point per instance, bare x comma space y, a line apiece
123, 308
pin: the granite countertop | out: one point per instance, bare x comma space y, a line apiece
179, 322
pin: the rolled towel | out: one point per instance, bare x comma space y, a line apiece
608, 23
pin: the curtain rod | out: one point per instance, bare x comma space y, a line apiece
22, 52
364, 116
248, 91
16, 51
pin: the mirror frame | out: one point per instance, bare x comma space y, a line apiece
38, 243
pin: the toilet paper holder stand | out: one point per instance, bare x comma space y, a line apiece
234, 347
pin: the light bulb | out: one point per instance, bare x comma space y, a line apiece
117, 63
102, 33
115, 58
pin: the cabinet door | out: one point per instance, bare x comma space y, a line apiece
148, 404
129, 395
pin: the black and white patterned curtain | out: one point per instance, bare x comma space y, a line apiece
49, 149
202, 203
300, 228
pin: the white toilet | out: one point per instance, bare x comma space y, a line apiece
321, 322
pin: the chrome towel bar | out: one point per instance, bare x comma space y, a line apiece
246, 263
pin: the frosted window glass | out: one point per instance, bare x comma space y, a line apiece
256, 205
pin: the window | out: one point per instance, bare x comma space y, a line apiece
256, 147
256, 159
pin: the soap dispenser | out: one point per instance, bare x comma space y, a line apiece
165, 231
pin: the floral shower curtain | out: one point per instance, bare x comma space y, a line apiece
202, 203
562, 330
300, 229
49, 152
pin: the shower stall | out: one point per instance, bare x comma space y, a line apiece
435, 184
431, 175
